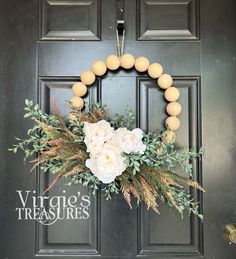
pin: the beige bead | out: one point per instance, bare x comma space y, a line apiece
76, 103
168, 136
165, 81
172, 123
155, 70
87, 77
73, 116
99, 68
113, 62
141, 64
79, 89
173, 108
172, 94
127, 61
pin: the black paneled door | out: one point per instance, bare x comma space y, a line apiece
46, 44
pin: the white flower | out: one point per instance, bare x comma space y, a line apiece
130, 141
108, 164
96, 134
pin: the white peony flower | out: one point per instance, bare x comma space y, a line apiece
108, 164
130, 141
96, 134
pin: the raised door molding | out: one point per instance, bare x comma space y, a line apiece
70, 19
168, 20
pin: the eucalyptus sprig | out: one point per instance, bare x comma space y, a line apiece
123, 121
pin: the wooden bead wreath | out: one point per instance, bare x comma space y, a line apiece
141, 64
96, 151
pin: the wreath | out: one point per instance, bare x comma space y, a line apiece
94, 149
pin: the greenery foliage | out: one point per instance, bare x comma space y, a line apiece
151, 177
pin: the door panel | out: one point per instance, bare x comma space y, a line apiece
78, 57
72, 237
168, 233
70, 20
46, 45
168, 20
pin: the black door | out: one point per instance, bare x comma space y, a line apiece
46, 44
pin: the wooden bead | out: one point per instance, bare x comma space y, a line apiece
76, 103
173, 108
141, 64
155, 70
165, 81
168, 136
87, 77
99, 68
172, 123
127, 61
172, 94
113, 62
73, 116
79, 89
